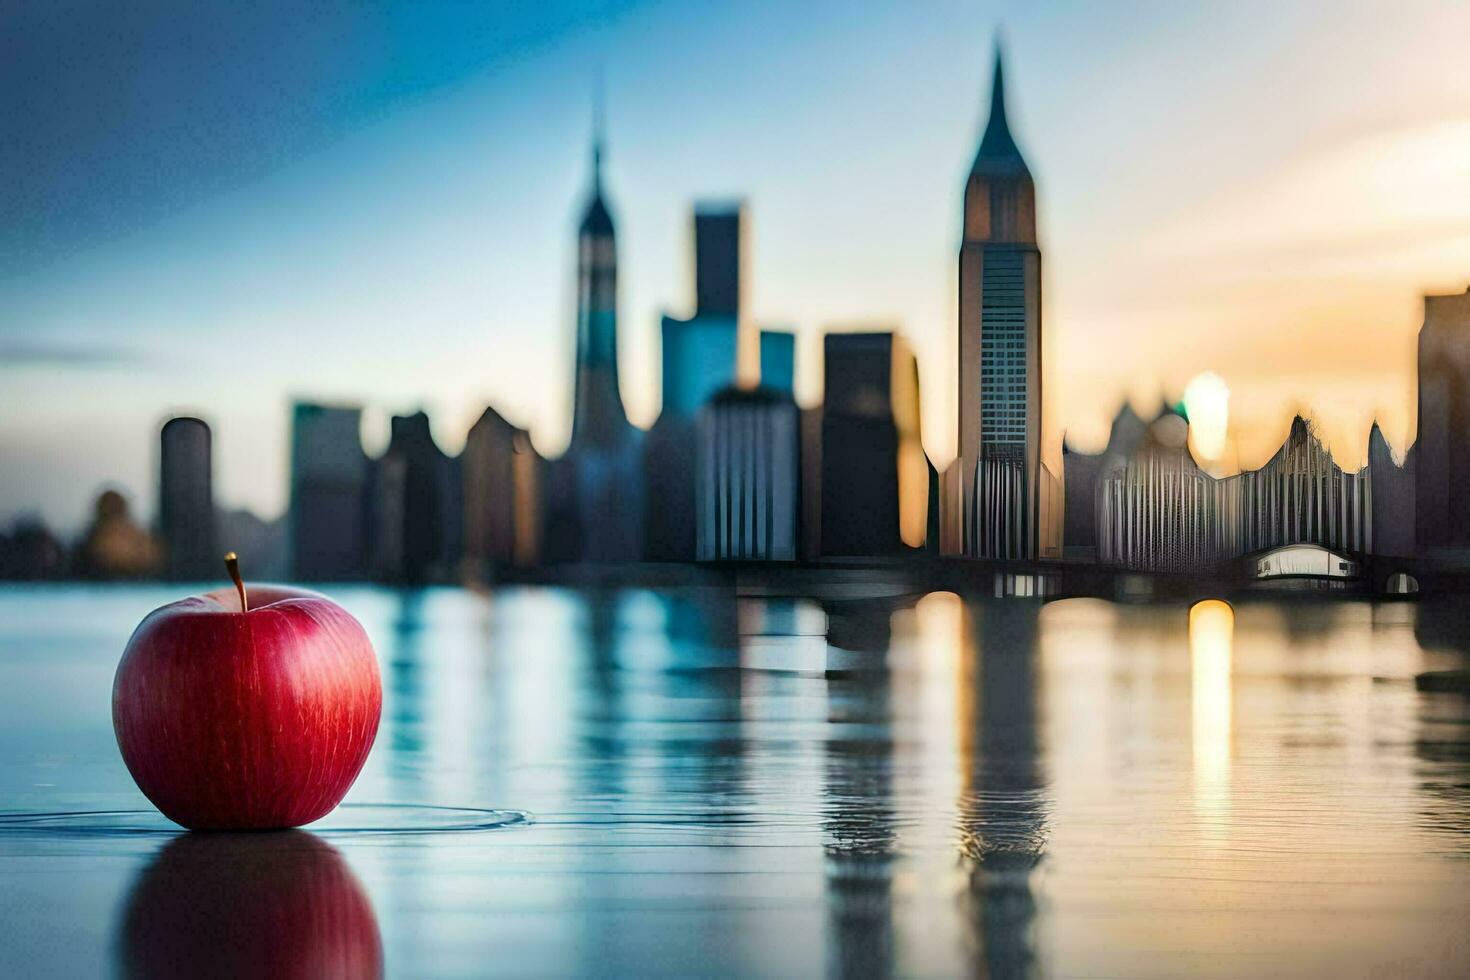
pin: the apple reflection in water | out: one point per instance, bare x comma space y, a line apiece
280, 905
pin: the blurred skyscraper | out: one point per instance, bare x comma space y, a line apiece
328, 521
28, 550
502, 496
699, 354
1393, 493
595, 499
998, 510
186, 520
778, 360
1081, 473
260, 543
748, 476
811, 483
874, 475
417, 506
699, 359
718, 258
1442, 462
668, 465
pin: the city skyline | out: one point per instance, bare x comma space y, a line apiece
213, 316
840, 488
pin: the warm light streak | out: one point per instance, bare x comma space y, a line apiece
1211, 639
939, 635
939, 623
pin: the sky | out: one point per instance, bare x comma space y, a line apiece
216, 211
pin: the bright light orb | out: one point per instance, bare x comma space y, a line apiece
1207, 403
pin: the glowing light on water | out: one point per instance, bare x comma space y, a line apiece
1211, 642
1207, 403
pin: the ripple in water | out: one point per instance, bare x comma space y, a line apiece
380, 819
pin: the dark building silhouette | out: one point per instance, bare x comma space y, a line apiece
668, 465
115, 546
748, 477
718, 258
595, 492
1002, 503
811, 483
874, 476
502, 496
261, 544
1442, 462
328, 522
1081, 472
186, 519
417, 506
699, 359
1393, 498
30, 551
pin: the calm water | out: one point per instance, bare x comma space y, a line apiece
915, 786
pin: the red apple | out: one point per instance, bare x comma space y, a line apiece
254, 719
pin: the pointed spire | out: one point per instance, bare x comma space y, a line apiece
599, 127
597, 220
998, 150
997, 128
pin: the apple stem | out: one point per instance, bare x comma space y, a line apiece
232, 565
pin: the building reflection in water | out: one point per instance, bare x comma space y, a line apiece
601, 734
1002, 807
661, 688
1211, 642
1442, 622
860, 632
1442, 748
405, 684
858, 824
1442, 740
659, 732
434, 694
280, 904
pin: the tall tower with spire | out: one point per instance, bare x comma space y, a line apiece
598, 414
1001, 474
594, 505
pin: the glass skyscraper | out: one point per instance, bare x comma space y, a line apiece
1000, 485
594, 507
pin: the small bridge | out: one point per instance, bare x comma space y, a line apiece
1302, 561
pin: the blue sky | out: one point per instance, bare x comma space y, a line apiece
215, 211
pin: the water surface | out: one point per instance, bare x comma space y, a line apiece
906, 785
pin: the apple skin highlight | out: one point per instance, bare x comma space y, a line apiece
253, 720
